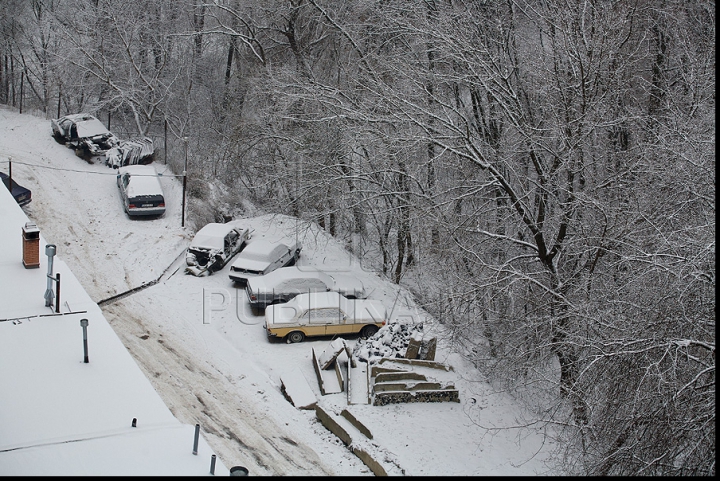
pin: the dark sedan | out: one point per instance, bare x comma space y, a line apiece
21, 194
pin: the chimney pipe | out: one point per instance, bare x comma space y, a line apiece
50, 252
197, 437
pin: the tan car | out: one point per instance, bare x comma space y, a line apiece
324, 314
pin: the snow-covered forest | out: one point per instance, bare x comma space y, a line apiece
541, 174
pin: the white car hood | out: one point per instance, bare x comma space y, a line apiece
280, 314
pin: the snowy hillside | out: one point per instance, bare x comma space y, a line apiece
207, 354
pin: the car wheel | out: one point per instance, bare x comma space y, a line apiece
295, 336
368, 331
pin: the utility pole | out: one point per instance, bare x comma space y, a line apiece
185, 139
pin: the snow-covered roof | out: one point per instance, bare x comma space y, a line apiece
272, 280
143, 180
355, 309
261, 250
61, 415
212, 236
91, 128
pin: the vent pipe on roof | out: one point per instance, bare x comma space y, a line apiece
197, 437
50, 252
84, 324
212, 464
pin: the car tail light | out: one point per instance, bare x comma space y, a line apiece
253, 297
161, 204
132, 206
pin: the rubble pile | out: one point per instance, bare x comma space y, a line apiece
391, 341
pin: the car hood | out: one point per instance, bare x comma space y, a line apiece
207, 242
280, 314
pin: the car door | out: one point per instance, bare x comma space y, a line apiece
278, 256
311, 324
123, 184
230, 245
336, 321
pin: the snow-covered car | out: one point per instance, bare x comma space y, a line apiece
214, 246
324, 314
85, 134
261, 257
21, 194
283, 284
140, 191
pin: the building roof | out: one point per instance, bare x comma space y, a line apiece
59, 414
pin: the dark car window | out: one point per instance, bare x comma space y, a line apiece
230, 241
145, 200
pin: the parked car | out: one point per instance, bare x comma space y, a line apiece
84, 133
324, 314
283, 284
261, 257
213, 246
140, 190
21, 194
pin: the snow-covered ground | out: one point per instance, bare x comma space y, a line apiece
207, 354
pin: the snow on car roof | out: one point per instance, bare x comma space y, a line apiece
271, 280
357, 309
212, 236
318, 300
90, 128
260, 250
143, 180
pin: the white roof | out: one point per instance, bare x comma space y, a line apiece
258, 255
60, 415
260, 249
143, 180
212, 236
365, 309
271, 280
90, 128
319, 300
